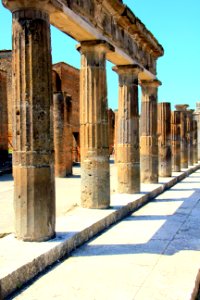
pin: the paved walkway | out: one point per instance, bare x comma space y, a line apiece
153, 254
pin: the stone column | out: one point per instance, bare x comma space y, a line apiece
164, 140
175, 141
95, 171
3, 117
190, 136
195, 141
59, 134
33, 166
183, 134
197, 118
115, 138
128, 150
148, 138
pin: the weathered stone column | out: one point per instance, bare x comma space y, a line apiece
59, 134
183, 134
190, 136
195, 141
3, 117
148, 138
197, 118
164, 140
128, 150
34, 190
175, 141
115, 138
95, 171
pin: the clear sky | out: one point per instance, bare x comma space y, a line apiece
174, 23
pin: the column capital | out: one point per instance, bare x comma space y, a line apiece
127, 69
181, 107
95, 45
15, 5
150, 83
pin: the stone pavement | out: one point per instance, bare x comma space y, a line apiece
152, 254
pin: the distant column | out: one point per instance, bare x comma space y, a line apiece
33, 157
175, 141
164, 139
190, 136
195, 141
3, 117
197, 118
95, 171
115, 138
128, 150
148, 138
183, 133
59, 134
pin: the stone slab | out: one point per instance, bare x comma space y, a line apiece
21, 261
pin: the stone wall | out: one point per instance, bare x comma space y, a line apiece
6, 65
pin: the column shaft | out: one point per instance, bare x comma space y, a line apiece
175, 141
128, 156
34, 191
195, 142
164, 139
95, 171
183, 134
148, 138
3, 117
190, 137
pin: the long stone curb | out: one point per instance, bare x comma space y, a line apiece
64, 245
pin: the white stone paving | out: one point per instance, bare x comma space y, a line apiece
152, 254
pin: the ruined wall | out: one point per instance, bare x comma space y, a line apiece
3, 116
6, 65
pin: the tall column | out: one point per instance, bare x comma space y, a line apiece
197, 118
148, 138
195, 141
190, 136
175, 140
183, 134
164, 140
33, 166
95, 171
3, 117
115, 138
59, 134
128, 155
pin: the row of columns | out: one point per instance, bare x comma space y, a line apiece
33, 157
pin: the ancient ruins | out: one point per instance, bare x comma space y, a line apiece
48, 128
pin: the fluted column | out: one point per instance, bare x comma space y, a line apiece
183, 134
148, 138
59, 134
128, 155
3, 117
115, 138
33, 166
197, 118
175, 141
95, 171
164, 140
190, 136
195, 141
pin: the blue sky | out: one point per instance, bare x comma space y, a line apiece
175, 24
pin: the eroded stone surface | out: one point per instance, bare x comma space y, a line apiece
164, 140
34, 192
148, 135
175, 141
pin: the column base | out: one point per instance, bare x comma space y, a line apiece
128, 178
95, 183
34, 203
